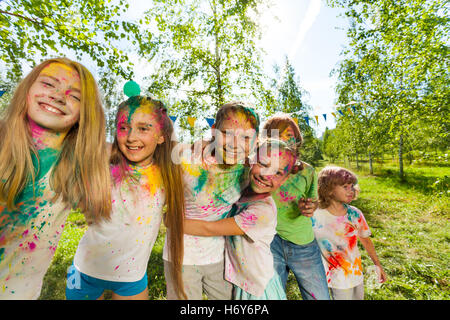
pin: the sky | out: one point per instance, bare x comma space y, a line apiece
312, 35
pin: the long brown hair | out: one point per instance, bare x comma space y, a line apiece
80, 175
172, 180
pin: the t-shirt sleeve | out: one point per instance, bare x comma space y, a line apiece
257, 220
361, 224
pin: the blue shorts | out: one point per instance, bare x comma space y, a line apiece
80, 286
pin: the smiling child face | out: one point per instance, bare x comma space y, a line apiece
54, 98
271, 170
235, 138
138, 134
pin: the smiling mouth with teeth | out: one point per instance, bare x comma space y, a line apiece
51, 109
260, 183
134, 148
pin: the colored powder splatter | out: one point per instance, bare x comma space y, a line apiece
201, 182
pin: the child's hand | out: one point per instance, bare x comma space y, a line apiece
382, 276
307, 206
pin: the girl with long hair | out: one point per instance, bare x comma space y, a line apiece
114, 255
53, 158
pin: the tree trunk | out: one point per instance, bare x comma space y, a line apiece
400, 157
370, 163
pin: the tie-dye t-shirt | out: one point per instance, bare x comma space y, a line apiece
338, 238
211, 190
292, 225
119, 249
30, 235
248, 259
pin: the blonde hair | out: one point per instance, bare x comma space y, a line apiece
172, 180
81, 173
332, 176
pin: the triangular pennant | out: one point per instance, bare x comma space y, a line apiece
295, 120
325, 116
349, 110
191, 121
2, 92
173, 118
210, 121
317, 119
334, 114
340, 111
307, 120
354, 108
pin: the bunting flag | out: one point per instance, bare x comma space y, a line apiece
2, 92
349, 108
210, 121
191, 121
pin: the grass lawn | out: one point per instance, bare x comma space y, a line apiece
410, 229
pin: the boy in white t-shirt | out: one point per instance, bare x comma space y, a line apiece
214, 179
251, 225
337, 228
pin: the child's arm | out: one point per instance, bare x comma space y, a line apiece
370, 248
224, 227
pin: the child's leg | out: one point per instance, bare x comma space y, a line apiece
355, 293
192, 281
214, 283
305, 261
279, 259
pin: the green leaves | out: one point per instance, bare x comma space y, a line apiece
32, 28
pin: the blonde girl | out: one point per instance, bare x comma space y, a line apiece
53, 158
113, 255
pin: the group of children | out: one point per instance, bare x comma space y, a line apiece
240, 209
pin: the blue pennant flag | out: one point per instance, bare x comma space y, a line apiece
210, 121
307, 120
2, 92
173, 118
354, 108
340, 112
325, 116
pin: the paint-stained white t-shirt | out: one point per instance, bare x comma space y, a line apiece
119, 249
248, 259
210, 192
29, 236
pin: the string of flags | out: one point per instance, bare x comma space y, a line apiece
349, 110
191, 120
